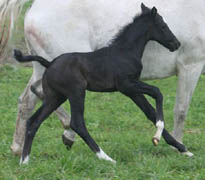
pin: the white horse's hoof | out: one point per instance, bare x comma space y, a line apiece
16, 149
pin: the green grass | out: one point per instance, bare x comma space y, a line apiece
117, 125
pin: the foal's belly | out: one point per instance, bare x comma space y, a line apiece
100, 83
103, 89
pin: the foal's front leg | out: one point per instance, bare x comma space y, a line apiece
131, 88
150, 113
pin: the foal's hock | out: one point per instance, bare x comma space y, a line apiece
113, 68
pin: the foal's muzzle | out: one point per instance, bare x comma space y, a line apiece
174, 45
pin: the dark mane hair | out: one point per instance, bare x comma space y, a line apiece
126, 32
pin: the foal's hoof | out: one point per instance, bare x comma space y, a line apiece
68, 143
24, 160
155, 141
189, 154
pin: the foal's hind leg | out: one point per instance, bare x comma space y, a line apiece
150, 113
49, 105
78, 123
68, 136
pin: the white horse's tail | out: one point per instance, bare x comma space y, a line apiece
9, 11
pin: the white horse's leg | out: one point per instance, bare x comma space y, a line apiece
188, 76
26, 104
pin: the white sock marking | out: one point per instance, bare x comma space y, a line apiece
188, 154
160, 127
25, 161
102, 155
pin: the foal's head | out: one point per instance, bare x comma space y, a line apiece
159, 30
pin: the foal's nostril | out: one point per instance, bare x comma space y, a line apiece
174, 45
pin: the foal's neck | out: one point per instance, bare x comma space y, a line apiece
133, 38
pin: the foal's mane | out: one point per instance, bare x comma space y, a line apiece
123, 36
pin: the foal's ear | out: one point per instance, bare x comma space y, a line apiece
144, 8
154, 12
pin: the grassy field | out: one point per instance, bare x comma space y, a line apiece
117, 125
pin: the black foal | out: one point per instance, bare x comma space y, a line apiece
113, 68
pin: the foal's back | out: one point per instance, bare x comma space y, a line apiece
98, 70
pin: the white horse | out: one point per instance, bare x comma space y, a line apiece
53, 28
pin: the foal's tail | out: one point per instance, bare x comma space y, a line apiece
20, 58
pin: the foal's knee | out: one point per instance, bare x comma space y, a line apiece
158, 94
